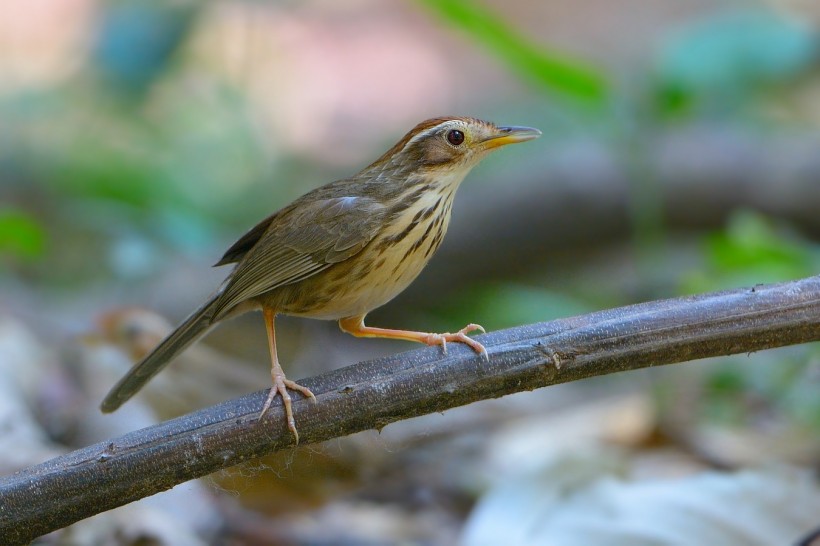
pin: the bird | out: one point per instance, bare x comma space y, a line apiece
343, 249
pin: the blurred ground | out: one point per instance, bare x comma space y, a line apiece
139, 139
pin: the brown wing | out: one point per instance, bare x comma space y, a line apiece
246, 242
300, 241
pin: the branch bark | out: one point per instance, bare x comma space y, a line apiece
372, 394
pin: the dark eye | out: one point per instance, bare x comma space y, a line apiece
455, 137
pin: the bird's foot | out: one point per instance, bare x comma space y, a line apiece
281, 384
355, 326
459, 337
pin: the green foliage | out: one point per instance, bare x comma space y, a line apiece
503, 305
93, 168
172, 175
721, 60
740, 392
554, 71
752, 249
21, 235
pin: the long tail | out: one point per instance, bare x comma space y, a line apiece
194, 327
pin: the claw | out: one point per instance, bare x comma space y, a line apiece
280, 386
472, 328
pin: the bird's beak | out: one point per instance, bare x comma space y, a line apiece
511, 135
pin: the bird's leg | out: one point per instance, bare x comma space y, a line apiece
281, 384
356, 327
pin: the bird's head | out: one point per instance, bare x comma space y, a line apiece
449, 145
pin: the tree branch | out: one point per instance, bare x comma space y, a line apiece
372, 394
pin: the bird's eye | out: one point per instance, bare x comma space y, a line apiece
455, 137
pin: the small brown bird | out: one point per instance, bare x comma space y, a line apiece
343, 249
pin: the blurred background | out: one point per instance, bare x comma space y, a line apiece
681, 154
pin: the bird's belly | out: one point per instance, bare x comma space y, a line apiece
356, 292
357, 286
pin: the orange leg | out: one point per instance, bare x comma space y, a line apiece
281, 384
356, 327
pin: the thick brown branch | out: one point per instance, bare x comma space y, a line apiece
375, 393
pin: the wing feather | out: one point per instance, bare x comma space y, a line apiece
301, 241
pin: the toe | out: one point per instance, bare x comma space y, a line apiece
472, 328
294, 386
474, 345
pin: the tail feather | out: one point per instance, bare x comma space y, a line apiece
193, 328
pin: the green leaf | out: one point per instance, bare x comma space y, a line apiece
554, 71
502, 305
752, 241
733, 53
752, 249
20, 235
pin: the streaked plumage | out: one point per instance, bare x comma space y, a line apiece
345, 248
